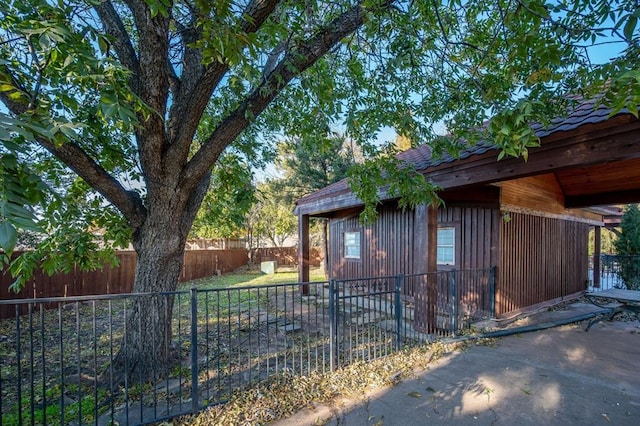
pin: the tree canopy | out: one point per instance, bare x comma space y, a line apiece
628, 241
114, 112
228, 201
85, 85
309, 164
271, 220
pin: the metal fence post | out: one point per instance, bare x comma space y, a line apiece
332, 325
454, 310
19, 369
194, 350
492, 290
398, 302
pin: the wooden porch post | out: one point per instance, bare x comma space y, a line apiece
303, 252
425, 261
597, 247
432, 266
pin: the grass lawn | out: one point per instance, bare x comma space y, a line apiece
81, 337
249, 278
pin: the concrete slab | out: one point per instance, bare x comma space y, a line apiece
557, 376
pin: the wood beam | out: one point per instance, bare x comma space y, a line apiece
560, 155
614, 197
425, 264
596, 256
303, 253
488, 195
432, 267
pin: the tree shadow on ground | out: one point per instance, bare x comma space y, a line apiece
558, 376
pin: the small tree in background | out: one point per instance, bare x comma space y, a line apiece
273, 221
628, 247
607, 240
227, 203
310, 163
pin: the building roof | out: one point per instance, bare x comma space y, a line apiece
421, 157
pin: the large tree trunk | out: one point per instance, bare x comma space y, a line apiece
147, 352
147, 348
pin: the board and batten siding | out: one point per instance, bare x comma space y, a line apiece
385, 246
538, 258
477, 234
388, 246
541, 259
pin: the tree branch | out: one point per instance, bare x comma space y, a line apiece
74, 157
197, 87
122, 45
128, 202
40, 68
17, 106
153, 55
272, 59
443, 30
192, 72
292, 64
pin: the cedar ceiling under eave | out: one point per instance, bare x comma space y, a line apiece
615, 182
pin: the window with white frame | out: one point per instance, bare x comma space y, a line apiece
352, 245
446, 254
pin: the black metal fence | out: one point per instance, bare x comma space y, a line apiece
462, 297
615, 271
56, 362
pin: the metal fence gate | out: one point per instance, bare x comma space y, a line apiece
56, 360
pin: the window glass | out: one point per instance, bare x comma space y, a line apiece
352, 245
446, 246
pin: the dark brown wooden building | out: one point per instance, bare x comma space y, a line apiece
529, 219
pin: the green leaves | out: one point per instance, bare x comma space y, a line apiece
511, 131
20, 188
271, 217
399, 179
630, 26
628, 242
228, 201
8, 236
627, 246
313, 160
162, 7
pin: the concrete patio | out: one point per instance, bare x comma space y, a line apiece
560, 375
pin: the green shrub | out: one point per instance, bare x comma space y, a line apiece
628, 247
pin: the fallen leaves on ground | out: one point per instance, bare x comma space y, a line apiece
285, 394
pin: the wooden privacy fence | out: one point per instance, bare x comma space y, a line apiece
216, 244
108, 280
285, 256
117, 280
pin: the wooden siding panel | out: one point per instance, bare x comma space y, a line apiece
396, 243
538, 192
541, 259
538, 258
600, 178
